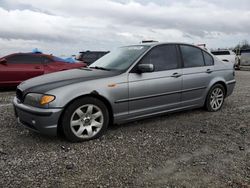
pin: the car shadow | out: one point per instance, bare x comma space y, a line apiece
153, 119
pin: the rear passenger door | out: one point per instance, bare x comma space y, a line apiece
197, 74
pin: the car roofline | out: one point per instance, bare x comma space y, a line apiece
152, 44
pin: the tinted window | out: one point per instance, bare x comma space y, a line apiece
192, 56
91, 56
46, 60
245, 51
208, 59
221, 53
163, 57
24, 59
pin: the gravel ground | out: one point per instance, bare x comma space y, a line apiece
187, 149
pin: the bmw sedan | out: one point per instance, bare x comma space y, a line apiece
130, 83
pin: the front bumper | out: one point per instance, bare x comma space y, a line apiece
40, 120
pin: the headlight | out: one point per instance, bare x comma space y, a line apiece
38, 100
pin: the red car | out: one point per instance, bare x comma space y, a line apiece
18, 67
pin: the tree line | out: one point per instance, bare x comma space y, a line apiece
243, 45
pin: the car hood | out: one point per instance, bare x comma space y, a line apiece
42, 84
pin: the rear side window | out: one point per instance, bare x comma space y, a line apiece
24, 59
209, 61
163, 57
221, 52
192, 56
45, 60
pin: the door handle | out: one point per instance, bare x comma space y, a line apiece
209, 71
176, 75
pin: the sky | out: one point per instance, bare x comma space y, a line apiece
65, 27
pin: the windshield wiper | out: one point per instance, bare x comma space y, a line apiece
100, 68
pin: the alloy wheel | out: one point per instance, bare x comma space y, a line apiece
216, 98
86, 121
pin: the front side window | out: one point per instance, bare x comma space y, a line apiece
16, 59
163, 57
192, 56
23, 59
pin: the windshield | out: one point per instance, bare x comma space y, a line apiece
120, 59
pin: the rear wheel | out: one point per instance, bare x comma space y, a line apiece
85, 119
215, 98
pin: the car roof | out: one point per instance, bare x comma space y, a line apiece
152, 44
30, 53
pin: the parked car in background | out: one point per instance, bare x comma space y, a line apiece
245, 57
18, 67
227, 56
130, 83
90, 57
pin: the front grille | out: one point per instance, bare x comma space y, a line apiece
19, 95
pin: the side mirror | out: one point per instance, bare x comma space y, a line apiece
225, 60
3, 61
145, 68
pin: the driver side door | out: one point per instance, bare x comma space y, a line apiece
160, 90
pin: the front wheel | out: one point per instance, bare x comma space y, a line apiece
215, 98
85, 119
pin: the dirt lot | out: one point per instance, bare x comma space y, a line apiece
187, 149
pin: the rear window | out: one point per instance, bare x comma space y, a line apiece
245, 51
59, 59
221, 53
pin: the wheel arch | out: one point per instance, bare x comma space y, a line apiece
93, 94
218, 81
223, 84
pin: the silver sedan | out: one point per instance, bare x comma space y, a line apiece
128, 84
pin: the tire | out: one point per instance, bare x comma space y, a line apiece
215, 98
85, 119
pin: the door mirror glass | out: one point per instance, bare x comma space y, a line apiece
3, 61
145, 68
